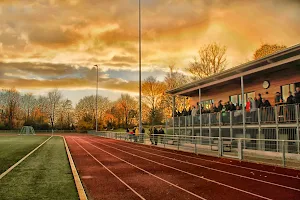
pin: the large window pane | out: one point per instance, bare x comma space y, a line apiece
285, 91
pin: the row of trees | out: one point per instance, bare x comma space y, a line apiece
54, 111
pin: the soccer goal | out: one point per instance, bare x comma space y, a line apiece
27, 130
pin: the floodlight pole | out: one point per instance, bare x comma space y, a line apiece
140, 70
97, 97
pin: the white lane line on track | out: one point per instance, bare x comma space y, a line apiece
135, 192
195, 195
174, 168
20, 161
209, 168
213, 161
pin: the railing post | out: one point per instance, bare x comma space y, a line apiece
220, 131
298, 131
277, 130
283, 153
178, 141
209, 130
179, 125
231, 130
185, 125
220, 147
243, 109
240, 149
195, 145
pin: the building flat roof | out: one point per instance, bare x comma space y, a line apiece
279, 58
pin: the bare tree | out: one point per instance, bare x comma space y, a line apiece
54, 97
211, 60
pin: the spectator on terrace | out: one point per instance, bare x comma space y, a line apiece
184, 112
259, 102
190, 111
215, 109
248, 105
253, 104
278, 98
266, 103
231, 106
297, 95
220, 106
290, 99
194, 111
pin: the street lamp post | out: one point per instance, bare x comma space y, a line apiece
140, 70
97, 98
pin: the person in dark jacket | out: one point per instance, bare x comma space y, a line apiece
155, 132
266, 103
290, 99
297, 95
258, 100
161, 132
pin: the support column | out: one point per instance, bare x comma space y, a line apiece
298, 130
259, 130
200, 115
243, 110
277, 129
173, 113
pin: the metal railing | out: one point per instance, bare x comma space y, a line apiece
271, 151
288, 113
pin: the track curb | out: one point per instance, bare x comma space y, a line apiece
78, 183
22, 159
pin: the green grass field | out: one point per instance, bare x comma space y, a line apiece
13, 148
45, 174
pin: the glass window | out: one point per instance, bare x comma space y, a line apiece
234, 99
206, 104
285, 89
237, 99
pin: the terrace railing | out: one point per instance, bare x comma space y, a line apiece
288, 113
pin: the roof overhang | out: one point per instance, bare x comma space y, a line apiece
279, 58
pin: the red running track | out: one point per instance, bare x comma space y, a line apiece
114, 169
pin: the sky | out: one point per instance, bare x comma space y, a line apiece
46, 44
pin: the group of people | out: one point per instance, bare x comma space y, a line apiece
251, 105
155, 134
135, 134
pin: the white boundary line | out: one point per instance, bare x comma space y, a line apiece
20, 161
213, 161
78, 183
195, 195
210, 168
141, 197
185, 172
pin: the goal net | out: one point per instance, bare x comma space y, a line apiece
27, 130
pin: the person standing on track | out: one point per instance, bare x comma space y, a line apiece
161, 133
155, 132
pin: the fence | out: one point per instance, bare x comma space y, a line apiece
249, 149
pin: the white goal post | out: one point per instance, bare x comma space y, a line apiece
27, 130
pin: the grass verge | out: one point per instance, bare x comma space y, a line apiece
14, 148
44, 175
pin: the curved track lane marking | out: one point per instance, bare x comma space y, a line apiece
20, 161
194, 157
209, 168
174, 168
135, 192
195, 195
